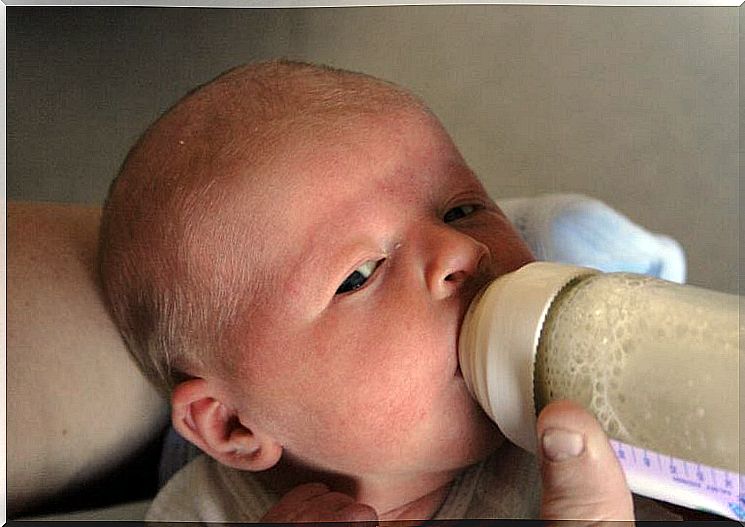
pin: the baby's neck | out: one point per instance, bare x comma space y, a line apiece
416, 498
399, 498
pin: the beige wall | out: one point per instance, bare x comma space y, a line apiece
635, 106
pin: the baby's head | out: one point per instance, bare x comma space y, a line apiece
289, 253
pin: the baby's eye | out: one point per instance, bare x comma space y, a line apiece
358, 278
457, 213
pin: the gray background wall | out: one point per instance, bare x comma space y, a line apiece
635, 106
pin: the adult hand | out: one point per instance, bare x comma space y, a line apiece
316, 502
582, 479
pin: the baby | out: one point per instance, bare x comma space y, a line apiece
289, 253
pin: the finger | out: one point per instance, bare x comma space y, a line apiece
307, 491
328, 503
292, 502
355, 512
333, 506
582, 479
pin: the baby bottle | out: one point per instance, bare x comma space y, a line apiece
655, 362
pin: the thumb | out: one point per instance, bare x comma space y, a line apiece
582, 479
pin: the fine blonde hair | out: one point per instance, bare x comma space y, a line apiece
172, 282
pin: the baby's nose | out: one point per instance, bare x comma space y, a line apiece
456, 259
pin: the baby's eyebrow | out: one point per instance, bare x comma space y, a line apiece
313, 267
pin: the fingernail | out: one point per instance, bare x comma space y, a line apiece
559, 445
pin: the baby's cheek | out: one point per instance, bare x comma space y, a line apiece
508, 249
380, 394
398, 398
379, 402
375, 427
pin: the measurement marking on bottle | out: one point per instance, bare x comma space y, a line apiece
700, 473
698, 486
673, 468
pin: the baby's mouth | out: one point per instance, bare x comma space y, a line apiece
461, 316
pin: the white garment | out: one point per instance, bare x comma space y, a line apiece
506, 485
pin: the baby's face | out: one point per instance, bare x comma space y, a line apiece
371, 242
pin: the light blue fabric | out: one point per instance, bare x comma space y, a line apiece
579, 230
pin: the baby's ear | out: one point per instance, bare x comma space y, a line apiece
199, 415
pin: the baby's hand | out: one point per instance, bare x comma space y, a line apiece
589, 485
316, 502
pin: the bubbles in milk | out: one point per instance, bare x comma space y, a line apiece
647, 362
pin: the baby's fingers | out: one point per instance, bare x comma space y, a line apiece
354, 512
335, 506
316, 502
295, 500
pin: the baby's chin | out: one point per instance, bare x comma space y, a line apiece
486, 431
489, 439
482, 438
